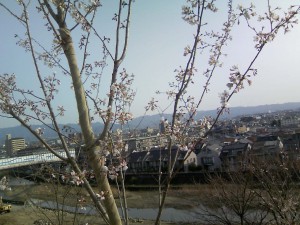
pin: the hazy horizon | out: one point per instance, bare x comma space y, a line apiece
205, 111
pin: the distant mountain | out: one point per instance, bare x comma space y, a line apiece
150, 121
238, 111
153, 121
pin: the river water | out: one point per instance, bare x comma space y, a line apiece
16, 181
169, 214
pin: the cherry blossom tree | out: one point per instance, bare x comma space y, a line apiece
63, 18
264, 27
70, 22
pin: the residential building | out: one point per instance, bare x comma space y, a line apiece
12, 145
208, 158
242, 129
267, 147
234, 156
143, 143
289, 121
157, 158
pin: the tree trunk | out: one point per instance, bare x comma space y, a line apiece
96, 162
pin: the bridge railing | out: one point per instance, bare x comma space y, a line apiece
13, 162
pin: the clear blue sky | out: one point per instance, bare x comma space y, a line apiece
157, 39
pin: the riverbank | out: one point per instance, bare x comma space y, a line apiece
142, 204
28, 215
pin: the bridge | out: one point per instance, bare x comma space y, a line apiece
31, 159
